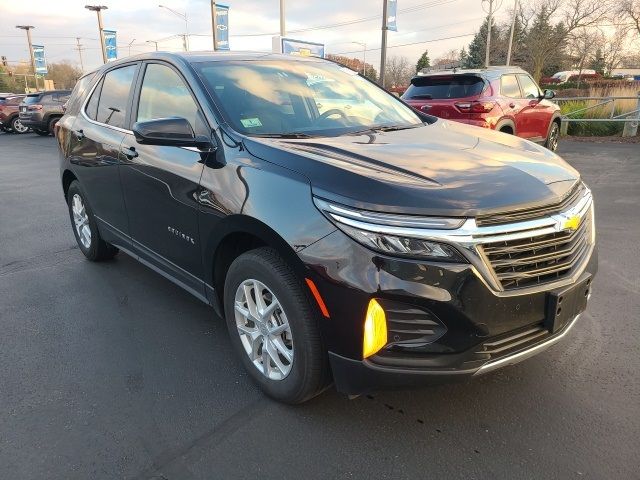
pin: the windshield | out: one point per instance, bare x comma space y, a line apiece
289, 97
451, 86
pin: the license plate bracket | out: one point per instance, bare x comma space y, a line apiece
564, 304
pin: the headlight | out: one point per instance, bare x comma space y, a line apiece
392, 234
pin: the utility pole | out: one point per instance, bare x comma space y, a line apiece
98, 9
383, 50
283, 30
129, 45
486, 58
513, 27
28, 28
79, 48
185, 36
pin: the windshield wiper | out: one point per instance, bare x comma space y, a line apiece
425, 96
384, 128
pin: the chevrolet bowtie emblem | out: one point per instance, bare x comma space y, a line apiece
571, 223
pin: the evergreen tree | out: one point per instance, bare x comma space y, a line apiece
423, 61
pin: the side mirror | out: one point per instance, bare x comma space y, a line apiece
548, 94
170, 132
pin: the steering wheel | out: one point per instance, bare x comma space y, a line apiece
328, 113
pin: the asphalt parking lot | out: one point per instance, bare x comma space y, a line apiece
110, 371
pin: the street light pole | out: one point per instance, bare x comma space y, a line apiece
364, 56
154, 42
185, 37
383, 50
98, 9
486, 57
513, 26
28, 28
283, 29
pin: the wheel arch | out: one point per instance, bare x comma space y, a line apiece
67, 177
235, 235
506, 123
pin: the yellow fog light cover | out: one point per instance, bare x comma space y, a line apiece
375, 329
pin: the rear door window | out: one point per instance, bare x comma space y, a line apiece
114, 97
453, 86
529, 87
509, 86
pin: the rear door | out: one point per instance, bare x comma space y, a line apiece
95, 141
161, 182
538, 112
512, 102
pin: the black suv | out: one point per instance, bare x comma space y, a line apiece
374, 245
41, 111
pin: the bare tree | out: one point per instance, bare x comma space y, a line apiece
399, 71
451, 57
583, 44
612, 47
630, 10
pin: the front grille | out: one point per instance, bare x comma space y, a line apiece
522, 215
539, 259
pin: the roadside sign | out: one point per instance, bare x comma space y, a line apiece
392, 10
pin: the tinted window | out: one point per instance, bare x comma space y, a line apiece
509, 86
78, 94
14, 101
31, 99
453, 86
164, 94
112, 108
529, 87
92, 106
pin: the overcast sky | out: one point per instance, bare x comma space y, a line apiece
59, 22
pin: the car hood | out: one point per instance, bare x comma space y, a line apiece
444, 168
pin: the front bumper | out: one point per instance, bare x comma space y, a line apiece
444, 322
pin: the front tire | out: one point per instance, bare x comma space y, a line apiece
273, 328
553, 137
85, 227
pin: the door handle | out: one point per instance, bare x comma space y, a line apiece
79, 134
129, 152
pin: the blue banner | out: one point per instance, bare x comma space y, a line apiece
39, 59
392, 10
222, 27
302, 48
110, 44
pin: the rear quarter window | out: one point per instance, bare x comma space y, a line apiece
453, 86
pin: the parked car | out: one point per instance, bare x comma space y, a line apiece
400, 251
9, 119
41, 111
506, 99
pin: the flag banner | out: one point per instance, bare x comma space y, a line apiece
40, 60
110, 44
392, 10
222, 27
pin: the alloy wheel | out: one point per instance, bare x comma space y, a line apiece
264, 329
18, 127
81, 220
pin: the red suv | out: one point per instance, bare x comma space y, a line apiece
506, 99
9, 120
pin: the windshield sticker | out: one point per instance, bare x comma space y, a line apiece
250, 122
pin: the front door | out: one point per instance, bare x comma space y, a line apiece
160, 183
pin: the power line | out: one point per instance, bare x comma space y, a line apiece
412, 43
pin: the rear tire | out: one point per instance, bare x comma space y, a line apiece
281, 350
85, 227
17, 126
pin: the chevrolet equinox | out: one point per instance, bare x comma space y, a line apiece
343, 236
